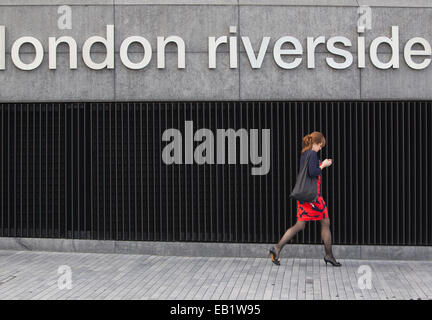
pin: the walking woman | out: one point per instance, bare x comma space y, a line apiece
311, 211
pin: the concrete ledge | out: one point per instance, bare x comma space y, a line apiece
210, 249
302, 3
56, 2
396, 3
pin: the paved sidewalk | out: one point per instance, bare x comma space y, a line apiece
34, 275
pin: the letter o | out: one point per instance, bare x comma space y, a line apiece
124, 52
37, 59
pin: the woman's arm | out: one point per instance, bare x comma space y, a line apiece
314, 169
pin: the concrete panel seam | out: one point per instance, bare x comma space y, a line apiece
115, 69
239, 55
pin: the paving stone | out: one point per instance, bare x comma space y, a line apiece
34, 275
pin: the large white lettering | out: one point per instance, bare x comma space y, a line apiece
287, 51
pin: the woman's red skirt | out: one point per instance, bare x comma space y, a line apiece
307, 211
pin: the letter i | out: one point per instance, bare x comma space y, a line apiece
2, 47
233, 48
361, 52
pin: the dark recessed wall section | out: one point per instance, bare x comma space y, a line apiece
94, 171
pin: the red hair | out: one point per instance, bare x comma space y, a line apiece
311, 138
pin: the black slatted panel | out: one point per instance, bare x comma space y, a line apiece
95, 171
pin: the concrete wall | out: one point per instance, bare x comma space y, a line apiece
211, 249
194, 21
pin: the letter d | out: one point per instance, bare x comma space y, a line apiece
109, 45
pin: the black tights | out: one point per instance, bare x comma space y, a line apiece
299, 226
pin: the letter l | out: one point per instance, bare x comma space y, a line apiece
188, 142
2, 47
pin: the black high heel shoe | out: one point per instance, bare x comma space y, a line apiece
332, 261
273, 256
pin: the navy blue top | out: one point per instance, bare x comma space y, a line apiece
314, 169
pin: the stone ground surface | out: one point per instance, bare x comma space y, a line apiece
34, 275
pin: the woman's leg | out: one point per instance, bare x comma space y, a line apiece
289, 234
326, 237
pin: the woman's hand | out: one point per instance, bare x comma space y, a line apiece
326, 163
